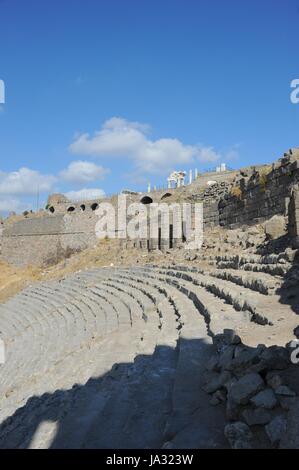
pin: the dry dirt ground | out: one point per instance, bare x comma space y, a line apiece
12, 279
107, 253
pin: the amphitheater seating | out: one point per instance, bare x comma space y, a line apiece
114, 357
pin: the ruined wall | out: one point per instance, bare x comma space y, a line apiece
211, 214
48, 239
246, 197
260, 196
294, 215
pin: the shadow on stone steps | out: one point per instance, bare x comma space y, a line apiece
129, 407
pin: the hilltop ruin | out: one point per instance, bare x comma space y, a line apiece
246, 197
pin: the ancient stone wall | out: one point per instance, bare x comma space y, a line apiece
260, 196
247, 197
294, 215
48, 239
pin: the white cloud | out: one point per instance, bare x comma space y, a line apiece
117, 138
233, 153
25, 182
85, 194
121, 138
83, 172
11, 204
208, 155
18, 189
17, 186
121, 123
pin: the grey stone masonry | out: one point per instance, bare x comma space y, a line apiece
262, 195
294, 214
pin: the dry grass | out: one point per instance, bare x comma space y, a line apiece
12, 279
106, 253
236, 192
263, 176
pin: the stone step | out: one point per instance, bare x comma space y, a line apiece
168, 324
91, 361
187, 395
274, 265
242, 299
76, 284
267, 311
217, 314
143, 402
135, 341
260, 282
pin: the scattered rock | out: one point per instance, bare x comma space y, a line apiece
256, 416
227, 357
190, 256
239, 435
232, 337
296, 331
239, 349
286, 402
290, 438
220, 395
213, 364
273, 379
275, 357
285, 391
253, 231
246, 359
217, 382
265, 399
236, 375
276, 429
227, 338
290, 254
227, 386
275, 227
232, 410
245, 388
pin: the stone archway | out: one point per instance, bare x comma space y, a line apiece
146, 200
166, 195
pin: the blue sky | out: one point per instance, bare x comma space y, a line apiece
107, 94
